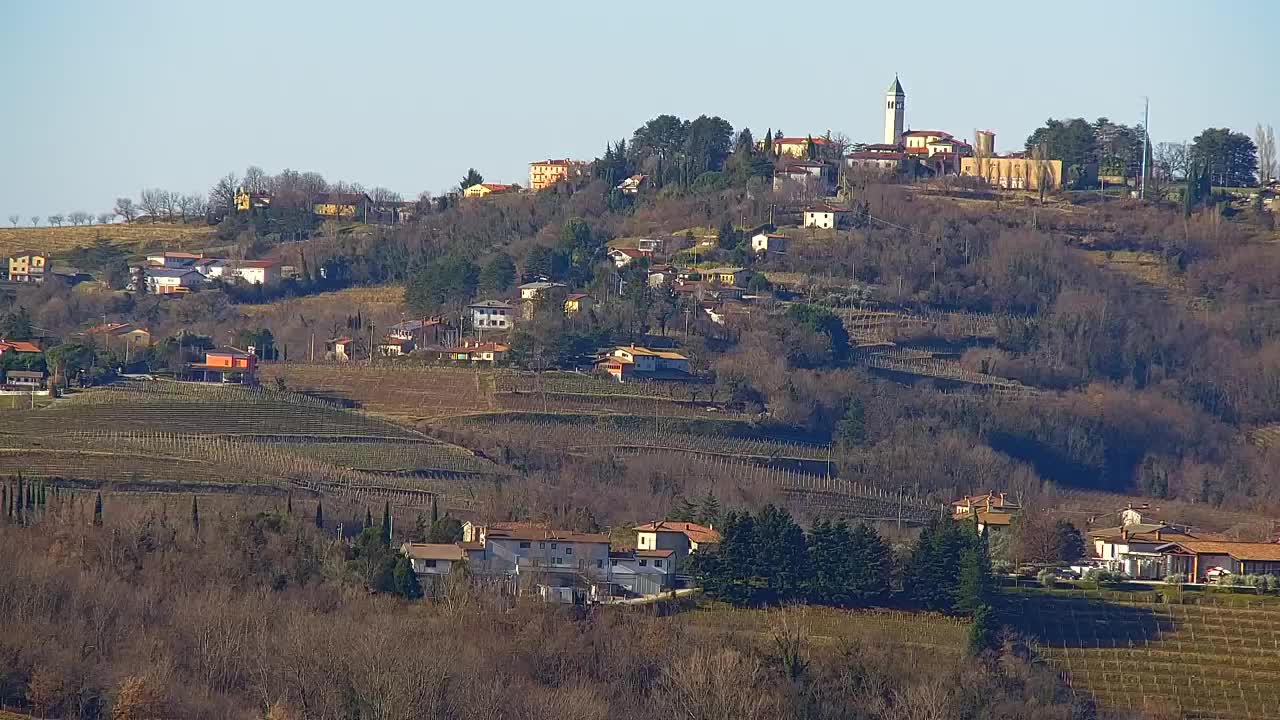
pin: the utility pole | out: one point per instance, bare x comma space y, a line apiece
1146, 133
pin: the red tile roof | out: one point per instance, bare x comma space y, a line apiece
431, 551
559, 163
655, 553
825, 208
895, 155
920, 133
542, 534
21, 346
695, 532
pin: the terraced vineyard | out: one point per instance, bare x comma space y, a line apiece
1209, 660
399, 392
923, 364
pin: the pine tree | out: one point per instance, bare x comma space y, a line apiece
983, 630
684, 511
320, 514
709, 513
975, 586
386, 523
97, 511
195, 515
406, 580
871, 565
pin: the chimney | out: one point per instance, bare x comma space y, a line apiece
1124, 532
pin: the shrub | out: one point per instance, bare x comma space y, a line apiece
1101, 576
1175, 579
1047, 577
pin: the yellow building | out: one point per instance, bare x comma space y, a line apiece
246, 200
545, 173
341, 206
29, 267
577, 302
1014, 172
797, 146
484, 189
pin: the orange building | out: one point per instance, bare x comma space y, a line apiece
226, 365
545, 173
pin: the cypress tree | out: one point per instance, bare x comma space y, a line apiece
368, 518
288, 503
386, 523
406, 580
435, 511
975, 587
983, 630
97, 511
320, 514
195, 514
4, 500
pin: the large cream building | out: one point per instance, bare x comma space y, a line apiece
545, 173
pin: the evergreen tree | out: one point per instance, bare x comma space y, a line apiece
368, 519
975, 587
288, 503
1068, 541
406, 580
782, 557
195, 514
832, 564
983, 630
435, 511
932, 578
386, 523
684, 511
320, 514
768, 144
97, 511
4, 500
709, 513
871, 565
421, 529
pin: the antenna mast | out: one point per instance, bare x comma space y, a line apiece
1146, 133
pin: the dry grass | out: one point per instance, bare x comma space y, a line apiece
1148, 268
406, 394
1267, 436
60, 240
390, 296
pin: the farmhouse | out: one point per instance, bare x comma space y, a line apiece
799, 147
341, 206
1195, 558
432, 559
119, 335
18, 347
577, 303
637, 363
562, 566
1133, 548
257, 272
763, 243
734, 276
533, 290
491, 315
24, 379
631, 185
478, 352
394, 346
166, 281
824, 216
993, 510
622, 257
173, 260
246, 200
339, 348
422, 332
480, 190
641, 572
210, 268
32, 267
681, 538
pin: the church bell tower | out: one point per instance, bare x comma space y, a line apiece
895, 108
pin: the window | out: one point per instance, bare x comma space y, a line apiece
557, 561
524, 546
599, 563
657, 563
568, 550
553, 546
429, 563
613, 563
643, 563
543, 545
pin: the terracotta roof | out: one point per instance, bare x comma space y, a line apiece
479, 347
894, 155
920, 133
1264, 552
559, 163
471, 545
179, 255
495, 187
340, 340
542, 534
576, 296
229, 351
695, 532
431, 551
1144, 532
882, 146
21, 346
628, 252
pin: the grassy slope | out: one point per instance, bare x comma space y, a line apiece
60, 240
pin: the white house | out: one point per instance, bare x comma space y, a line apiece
808, 173
167, 281
560, 565
642, 572
257, 272
211, 268
628, 361
682, 538
824, 216
431, 558
491, 315
768, 243
1133, 548
622, 257
531, 291
660, 274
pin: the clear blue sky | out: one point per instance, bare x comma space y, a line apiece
102, 99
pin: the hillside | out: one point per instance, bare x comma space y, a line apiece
138, 237
1219, 658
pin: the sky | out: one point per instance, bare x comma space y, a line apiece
103, 99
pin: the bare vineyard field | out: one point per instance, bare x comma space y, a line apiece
58, 240
579, 384
879, 326
610, 404
1205, 660
407, 457
379, 296
608, 433
402, 393
923, 364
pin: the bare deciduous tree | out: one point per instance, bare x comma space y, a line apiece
152, 202
126, 209
14, 219
256, 180
35, 220
169, 203
105, 218
1265, 139
56, 220
222, 196
79, 217
381, 194
1172, 159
